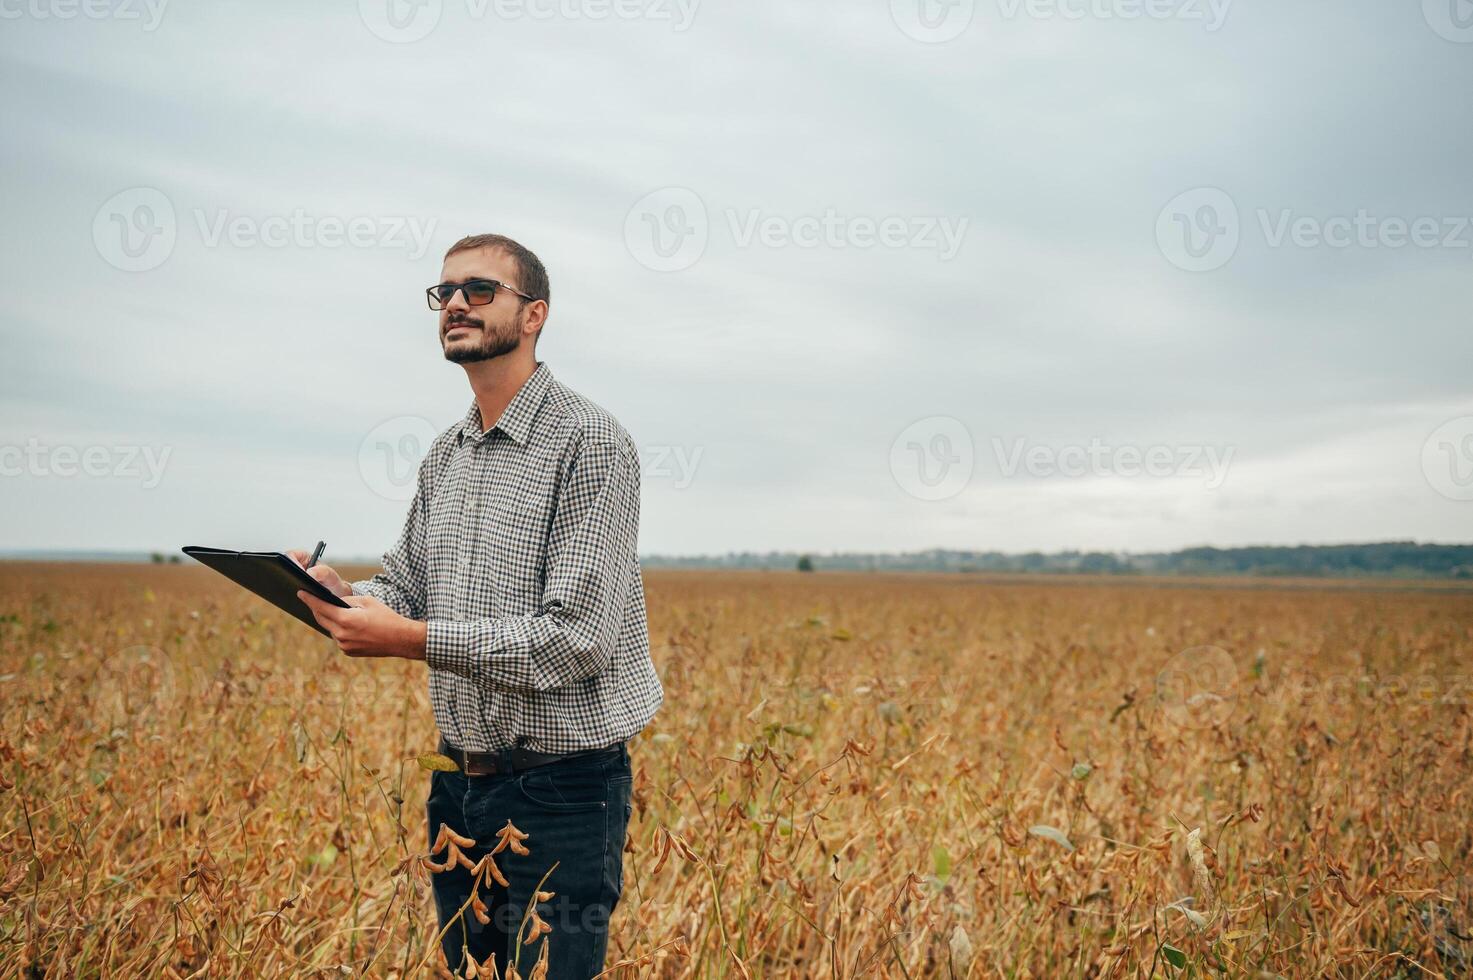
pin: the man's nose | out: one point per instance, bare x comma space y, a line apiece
457, 302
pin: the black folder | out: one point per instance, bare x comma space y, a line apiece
271, 575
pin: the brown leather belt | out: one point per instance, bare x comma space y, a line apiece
508, 761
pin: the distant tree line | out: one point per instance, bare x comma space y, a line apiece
1387, 559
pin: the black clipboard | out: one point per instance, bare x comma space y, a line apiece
271, 575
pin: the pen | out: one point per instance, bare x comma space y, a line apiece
316, 553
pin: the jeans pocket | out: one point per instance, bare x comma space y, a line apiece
621, 804
565, 790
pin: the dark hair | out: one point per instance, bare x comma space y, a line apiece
529, 267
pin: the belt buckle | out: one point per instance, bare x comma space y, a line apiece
483, 764
463, 760
474, 767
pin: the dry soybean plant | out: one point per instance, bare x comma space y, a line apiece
852, 776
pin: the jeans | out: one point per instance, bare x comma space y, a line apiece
575, 812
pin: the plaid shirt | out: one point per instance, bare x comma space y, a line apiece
520, 553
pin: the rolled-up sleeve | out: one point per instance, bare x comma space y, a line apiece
591, 563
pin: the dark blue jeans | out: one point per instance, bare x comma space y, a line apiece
575, 812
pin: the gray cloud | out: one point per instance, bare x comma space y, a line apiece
790, 368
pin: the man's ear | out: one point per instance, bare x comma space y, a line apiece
535, 316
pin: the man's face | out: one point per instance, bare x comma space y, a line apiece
479, 333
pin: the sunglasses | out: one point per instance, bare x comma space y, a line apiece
478, 292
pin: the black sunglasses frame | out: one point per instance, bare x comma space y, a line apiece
430, 294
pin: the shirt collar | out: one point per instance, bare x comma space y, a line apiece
516, 420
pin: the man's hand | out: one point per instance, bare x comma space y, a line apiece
369, 628
325, 574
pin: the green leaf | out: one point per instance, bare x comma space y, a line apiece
435, 762
1081, 771
1174, 956
842, 635
324, 857
941, 862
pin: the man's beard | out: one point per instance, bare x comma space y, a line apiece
493, 343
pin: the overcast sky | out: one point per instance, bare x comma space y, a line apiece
1101, 274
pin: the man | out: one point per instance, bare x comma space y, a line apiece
516, 580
